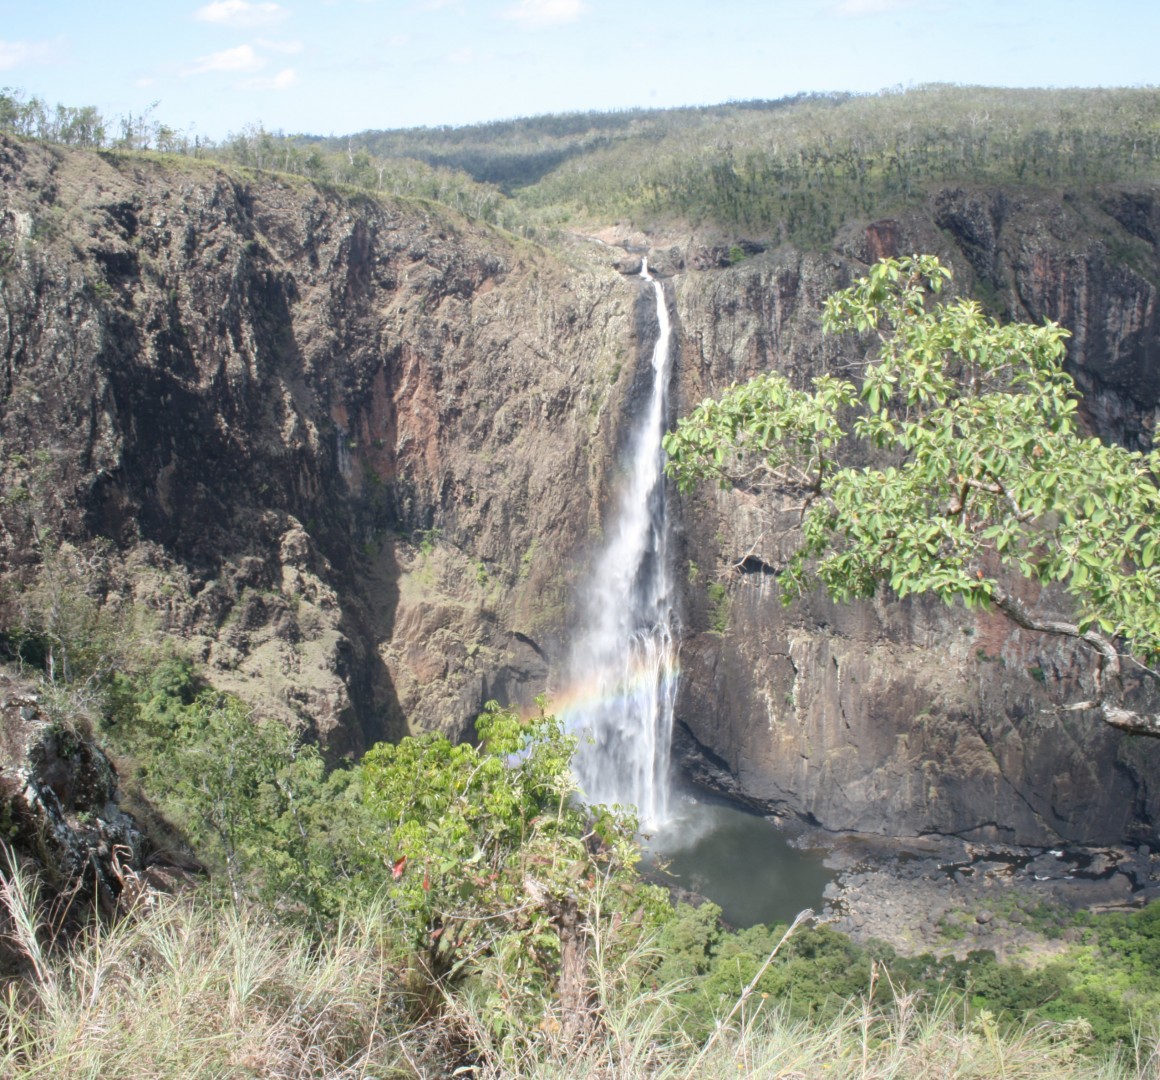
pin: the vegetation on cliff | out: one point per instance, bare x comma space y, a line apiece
434, 907
987, 475
791, 170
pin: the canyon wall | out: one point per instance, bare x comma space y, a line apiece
911, 718
353, 454
346, 452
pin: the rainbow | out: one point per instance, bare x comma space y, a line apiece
573, 705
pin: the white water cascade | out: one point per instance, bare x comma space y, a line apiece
623, 665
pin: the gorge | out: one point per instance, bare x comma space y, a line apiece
355, 455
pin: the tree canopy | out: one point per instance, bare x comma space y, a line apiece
981, 474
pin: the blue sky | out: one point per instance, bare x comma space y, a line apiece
338, 66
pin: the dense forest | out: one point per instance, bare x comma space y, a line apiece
787, 170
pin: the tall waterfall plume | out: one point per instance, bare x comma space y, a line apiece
623, 664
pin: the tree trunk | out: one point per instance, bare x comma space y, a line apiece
575, 994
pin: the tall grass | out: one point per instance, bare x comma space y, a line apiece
190, 988
905, 1040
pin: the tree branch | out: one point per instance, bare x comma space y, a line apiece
1109, 689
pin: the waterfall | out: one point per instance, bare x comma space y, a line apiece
623, 665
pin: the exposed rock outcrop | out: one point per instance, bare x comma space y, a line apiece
346, 450
352, 454
909, 718
59, 806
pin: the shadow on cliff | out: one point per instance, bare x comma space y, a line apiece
207, 473
370, 601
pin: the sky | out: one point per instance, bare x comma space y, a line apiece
334, 67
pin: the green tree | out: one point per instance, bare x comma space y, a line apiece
57, 622
232, 779
491, 856
981, 473
480, 858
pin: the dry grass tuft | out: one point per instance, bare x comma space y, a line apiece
190, 988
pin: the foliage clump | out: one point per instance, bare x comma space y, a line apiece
981, 474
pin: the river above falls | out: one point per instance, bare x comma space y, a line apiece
736, 858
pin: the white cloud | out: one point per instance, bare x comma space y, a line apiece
871, 7
15, 53
545, 12
285, 79
287, 47
241, 13
243, 58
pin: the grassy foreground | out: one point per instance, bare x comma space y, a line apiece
193, 988
439, 910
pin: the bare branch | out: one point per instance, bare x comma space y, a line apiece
1109, 689
753, 549
1139, 665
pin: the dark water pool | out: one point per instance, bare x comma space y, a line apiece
738, 860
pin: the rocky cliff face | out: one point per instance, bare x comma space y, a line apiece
353, 454
59, 808
908, 718
346, 451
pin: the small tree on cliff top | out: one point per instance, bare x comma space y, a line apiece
990, 476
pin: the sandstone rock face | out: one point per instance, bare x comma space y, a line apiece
906, 718
346, 451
